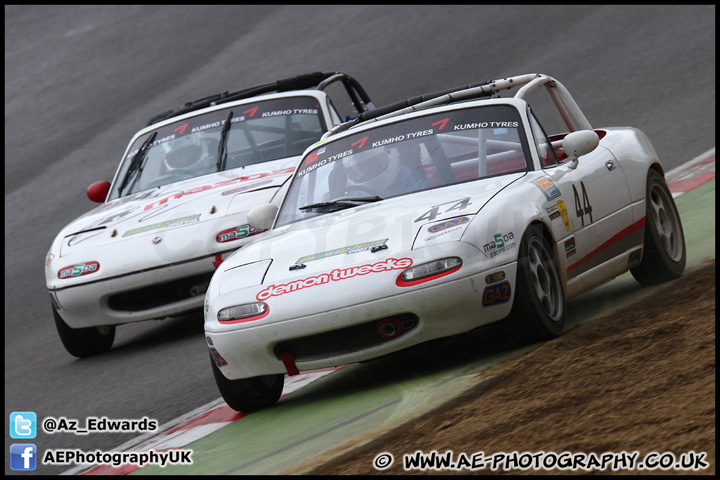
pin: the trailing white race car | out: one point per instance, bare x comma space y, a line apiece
430, 218
178, 205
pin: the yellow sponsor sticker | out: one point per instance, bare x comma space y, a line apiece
563, 211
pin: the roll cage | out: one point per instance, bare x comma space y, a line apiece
317, 81
569, 111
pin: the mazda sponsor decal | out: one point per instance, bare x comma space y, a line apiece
78, 270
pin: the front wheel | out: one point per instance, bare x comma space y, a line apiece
664, 255
84, 342
538, 311
249, 394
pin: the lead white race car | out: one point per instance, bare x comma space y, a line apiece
178, 204
430, 218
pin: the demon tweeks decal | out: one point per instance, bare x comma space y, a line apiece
336, 275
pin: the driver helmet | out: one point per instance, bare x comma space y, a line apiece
376, 169
186, 154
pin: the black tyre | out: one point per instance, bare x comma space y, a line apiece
84, 342
249, 394
538, 311
664, 255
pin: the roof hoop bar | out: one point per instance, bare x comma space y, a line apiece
399, 107
566, 106
569, 111
300, 82
360, 99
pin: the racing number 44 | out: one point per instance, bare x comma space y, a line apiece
435, 211
585, 208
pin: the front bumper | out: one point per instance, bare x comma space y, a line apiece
155, 293
328, 337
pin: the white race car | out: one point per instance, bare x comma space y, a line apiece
178, 204
430, 218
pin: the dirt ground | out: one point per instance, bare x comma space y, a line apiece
640, 380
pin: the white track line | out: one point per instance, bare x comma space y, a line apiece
692, 174
185, 429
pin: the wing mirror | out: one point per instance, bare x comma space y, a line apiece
577, 144
262, 216
98, 191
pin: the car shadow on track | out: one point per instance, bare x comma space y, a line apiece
465, 352
425, 360
134, 338
166, 330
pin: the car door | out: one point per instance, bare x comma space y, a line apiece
597, 198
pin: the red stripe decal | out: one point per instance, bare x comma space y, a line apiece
249, 319
618, 236
402, 283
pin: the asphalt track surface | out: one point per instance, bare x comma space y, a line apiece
79, 81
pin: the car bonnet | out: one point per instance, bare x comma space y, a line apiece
350, 236
200, 199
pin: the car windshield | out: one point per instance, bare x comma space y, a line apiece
408, 156
258, 132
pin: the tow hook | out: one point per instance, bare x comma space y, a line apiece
288, 360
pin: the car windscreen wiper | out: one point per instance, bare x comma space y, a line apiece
136, 162
340, 203
222, 154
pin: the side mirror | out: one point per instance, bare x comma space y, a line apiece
577, 144
98, 191
262, 216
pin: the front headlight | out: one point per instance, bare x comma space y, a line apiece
429, 271
243, 313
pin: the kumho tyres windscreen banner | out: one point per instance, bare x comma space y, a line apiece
281, 107
492, 117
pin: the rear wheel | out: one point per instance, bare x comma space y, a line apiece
538, 311
84, 342
663, 256
249, 394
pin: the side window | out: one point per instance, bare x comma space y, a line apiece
544, 147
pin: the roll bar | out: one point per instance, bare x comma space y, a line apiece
309, 81
567, 108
